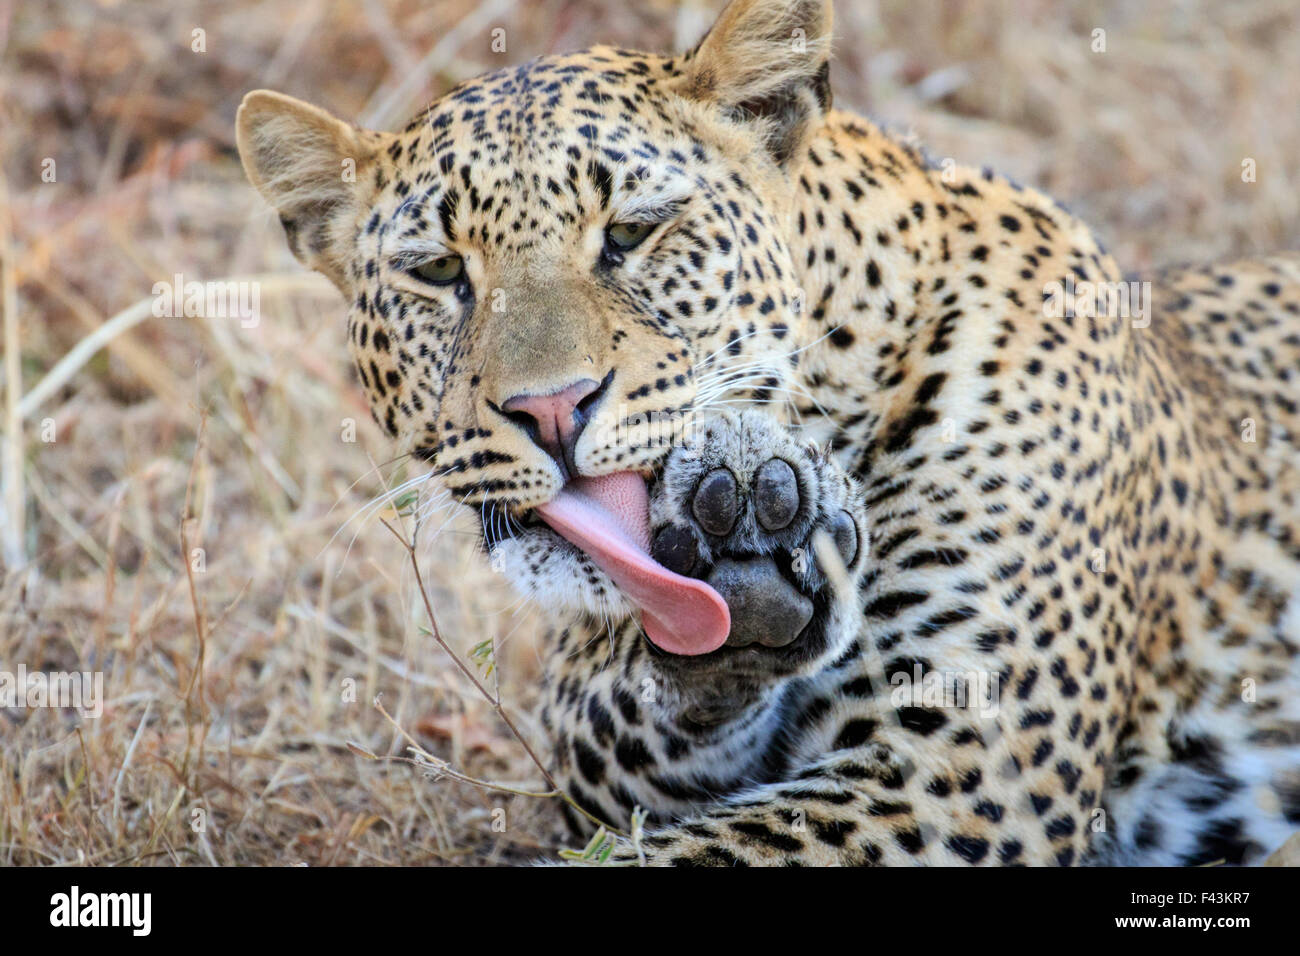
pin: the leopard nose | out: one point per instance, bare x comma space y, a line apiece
555, 421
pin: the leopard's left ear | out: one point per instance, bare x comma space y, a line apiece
766, 63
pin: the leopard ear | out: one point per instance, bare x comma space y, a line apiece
311, 168
766, 63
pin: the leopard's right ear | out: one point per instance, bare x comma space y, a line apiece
766, 64
312, 168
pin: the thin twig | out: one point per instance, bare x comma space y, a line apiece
461, 665
15, 504
426, 761
493, 700
195, 691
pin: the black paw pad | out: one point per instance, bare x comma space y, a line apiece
845, 534
716, 505
776, 495
674, 547
765, 607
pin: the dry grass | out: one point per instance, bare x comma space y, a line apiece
226, 686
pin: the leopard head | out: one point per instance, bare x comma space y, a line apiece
557, 266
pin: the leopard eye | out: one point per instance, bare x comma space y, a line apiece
625, 236
441, 271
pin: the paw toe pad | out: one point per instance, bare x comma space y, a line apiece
674, 547
776, 495
845, 534
716, 504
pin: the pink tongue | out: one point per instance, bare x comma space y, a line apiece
609, 519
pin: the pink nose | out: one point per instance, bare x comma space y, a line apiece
554, 422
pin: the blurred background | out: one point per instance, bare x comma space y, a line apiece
243, 646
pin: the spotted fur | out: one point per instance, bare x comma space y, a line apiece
1099, 513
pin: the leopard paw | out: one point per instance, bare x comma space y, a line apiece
771, 523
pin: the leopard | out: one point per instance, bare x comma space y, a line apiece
874, 521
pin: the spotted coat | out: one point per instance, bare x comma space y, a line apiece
1096, 512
